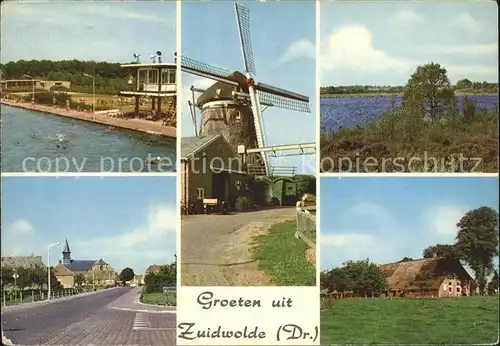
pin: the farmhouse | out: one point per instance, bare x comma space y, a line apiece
96, 272
210, 168
26, 262
437, 276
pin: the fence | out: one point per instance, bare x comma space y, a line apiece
31, 296
306, 225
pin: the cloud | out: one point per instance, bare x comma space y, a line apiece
407, 18
298, 50
442, 219
470, 49
19, 238
466, 22
373, 210
35, 13
152, 242
351, 48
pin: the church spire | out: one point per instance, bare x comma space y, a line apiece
66, 254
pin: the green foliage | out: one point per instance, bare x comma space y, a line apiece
79, 279
477, 242
305, 184
361, 277
7, 278
127, 274
109, 77
494, 283
405, 259
165, 277
441, 250
464, 84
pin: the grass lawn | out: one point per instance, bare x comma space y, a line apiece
159, 298
283, 257
464, 320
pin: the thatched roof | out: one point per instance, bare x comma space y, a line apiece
426, 272
226, 90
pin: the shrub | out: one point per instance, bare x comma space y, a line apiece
59, 88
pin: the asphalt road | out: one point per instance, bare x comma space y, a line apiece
216, 249
107, 317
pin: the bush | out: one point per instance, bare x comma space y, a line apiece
243, 203
59, 88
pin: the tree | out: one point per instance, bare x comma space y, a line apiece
464, 84
441, 250
361, 277
428, 90
127, 274
477, 242
494, 283
7, 276
79, 279
39, 276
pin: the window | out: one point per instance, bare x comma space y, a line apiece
449, 289
458, 289
100, 267
152, 76
200, 194
165, 77
143, 76
172, 76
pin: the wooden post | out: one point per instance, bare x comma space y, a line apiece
159, 106
153, 103
137, 106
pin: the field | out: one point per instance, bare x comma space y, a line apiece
464, 320
350, 111
283, 257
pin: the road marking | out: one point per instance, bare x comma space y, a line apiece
141, 321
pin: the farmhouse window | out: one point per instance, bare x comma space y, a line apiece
200, 193
152, 76
449, 289
458, 289
100, 267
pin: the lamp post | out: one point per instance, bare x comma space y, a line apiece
15, 276
93, 93
33, 80
48, 268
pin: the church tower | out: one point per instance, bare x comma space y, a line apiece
66, 254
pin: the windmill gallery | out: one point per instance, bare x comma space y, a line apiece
228, 158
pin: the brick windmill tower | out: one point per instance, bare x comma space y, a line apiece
232, 106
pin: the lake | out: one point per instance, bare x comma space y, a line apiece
31, 142
339, 112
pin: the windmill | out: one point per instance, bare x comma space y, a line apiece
237, 98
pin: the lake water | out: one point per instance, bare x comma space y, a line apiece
339, 112
30, 143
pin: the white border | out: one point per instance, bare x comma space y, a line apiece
178, 150
318, 153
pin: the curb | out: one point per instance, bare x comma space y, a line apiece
145, 311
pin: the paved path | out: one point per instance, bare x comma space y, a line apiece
90, 320
153, 127
216, 249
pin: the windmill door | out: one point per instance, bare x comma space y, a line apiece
220, 186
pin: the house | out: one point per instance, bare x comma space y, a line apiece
138, 280
436, 276
22, 261
94, 272
210, 168
154, 268
38, 84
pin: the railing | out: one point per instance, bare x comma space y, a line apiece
306, 225
34, 295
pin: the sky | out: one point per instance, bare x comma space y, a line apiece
128, 222
87, 30
387, 219
283, 42
382, 43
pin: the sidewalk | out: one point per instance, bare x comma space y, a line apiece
141, 125
130, 302
53, 300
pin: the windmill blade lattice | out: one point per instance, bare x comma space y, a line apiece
205, 70
243, 18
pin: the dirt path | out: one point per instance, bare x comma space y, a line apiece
148, 126
217, 249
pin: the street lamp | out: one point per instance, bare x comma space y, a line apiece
93, 93
33, 80
15, 276
48, 268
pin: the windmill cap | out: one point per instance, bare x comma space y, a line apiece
226, 90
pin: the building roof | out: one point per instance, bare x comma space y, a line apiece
61, 270
226, 90
428, 272
162, 64
154, 268
81, 265
66, 247
22, 261
192, 145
